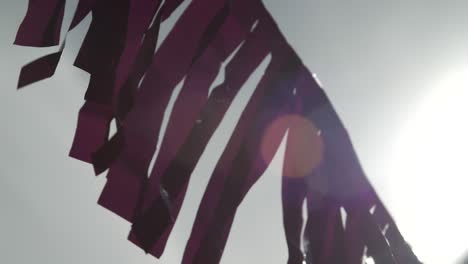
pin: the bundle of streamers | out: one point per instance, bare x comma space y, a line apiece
131, 82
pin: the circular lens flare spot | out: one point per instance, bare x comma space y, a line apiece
304, 145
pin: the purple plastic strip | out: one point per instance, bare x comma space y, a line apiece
192, 97
82, 10
187, 107
137, 55
44, 67
401, 250
293, 192
91, 131
105, 82
123, 96
353, 192
241, 164
110, 26
103, 87
41, 28
171, 63
205, 35
177, 174
354, 242
105, 35
323, 232
213, 29
93, 126
39, 69
42, 23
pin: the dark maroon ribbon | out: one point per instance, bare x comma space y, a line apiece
175, 177
171, 63
41, 27
118, 51
134, 62
189, 103
347, 182
39, 69
108, 29
323, 232
293, 193
402, 251
42, 23
124, 96
187, 107
241, 164
212, 29
104, 86
82, 10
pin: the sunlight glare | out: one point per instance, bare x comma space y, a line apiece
428, 172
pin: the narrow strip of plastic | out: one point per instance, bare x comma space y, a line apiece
171, 63
175, 178
41, 24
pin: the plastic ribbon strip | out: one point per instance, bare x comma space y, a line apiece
132, 83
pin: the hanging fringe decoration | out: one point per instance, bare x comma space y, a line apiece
131, 82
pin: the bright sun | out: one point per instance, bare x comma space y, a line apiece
429, 172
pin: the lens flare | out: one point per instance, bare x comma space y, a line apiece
304, 145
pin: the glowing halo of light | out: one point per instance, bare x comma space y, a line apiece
428, 172
304, 144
